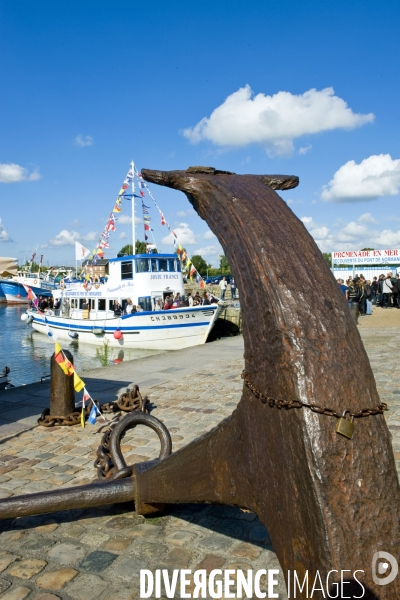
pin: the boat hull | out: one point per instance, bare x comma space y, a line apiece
159, 330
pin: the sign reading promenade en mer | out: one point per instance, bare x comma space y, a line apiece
365, 257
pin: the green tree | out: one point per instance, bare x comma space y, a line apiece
224, 265
200, 264
140, 248
328, 258
367, 249
34, 267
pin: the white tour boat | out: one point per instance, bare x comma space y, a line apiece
89, 309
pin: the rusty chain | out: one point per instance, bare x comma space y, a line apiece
287, 404
127, 402
48, 420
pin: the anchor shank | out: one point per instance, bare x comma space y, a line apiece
83, 496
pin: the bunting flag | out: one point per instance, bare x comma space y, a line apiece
50, 333
163, 221
78, 383
116, 209
141, 192
83, 416
41, 259
94, 413
30, 293
192, 271
202, 283
61, 359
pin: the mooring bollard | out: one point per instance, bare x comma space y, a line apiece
62, 409
62, 392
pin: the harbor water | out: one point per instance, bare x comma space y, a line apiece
27, 353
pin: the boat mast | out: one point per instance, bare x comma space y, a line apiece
133, 209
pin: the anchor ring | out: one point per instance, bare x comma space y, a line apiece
129, 422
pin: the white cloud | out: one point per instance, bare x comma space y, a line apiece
367, 218
208, 250
83, 140
209, 235
12, 173
185, 235
388, 239
4, 235
124, 220
351, 236
65, 238
89, 237
374, 177
304, 149
68, 238
318, 232
122, 235
274, 121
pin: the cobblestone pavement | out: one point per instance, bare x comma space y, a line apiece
98, 553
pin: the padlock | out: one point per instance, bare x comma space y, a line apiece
344, 426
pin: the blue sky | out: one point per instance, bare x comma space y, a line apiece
309, 89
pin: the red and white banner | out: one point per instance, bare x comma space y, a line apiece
366, 257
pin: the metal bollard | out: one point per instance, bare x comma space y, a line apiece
62, 392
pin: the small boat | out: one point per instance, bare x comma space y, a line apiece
91, 309
8, 267
41, 283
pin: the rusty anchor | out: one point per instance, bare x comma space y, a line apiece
328, 502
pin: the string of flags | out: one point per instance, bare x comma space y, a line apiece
103, 241
143, 186
187, 263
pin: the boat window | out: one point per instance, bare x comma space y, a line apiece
102, 304
74, 303
145, 303
171, 264
163, 264
126, 269
142, 265
154, 265
82, 301
111, 304
92, 303
178, 265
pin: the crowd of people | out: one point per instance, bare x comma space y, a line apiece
383, 291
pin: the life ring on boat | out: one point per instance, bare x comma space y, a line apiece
34, 281
96, 280
88, 286
62, 284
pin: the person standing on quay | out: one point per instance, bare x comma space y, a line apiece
223, 284
233, 288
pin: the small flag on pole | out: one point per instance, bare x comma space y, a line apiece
94, 413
